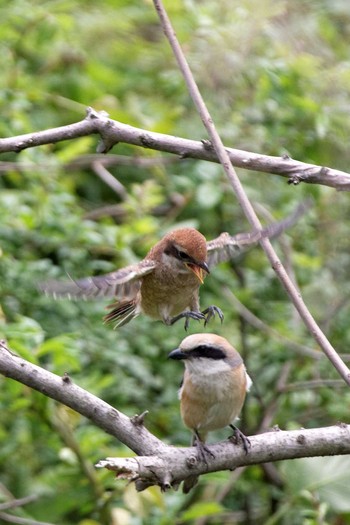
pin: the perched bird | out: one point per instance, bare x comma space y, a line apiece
213, 389
165, 285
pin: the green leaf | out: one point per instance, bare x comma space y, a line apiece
199, 510
326, 477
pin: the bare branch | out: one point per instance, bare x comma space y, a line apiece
270, 446
10, 518
257, 323
109, 179
113, 132
223, 492
313, 384
51, 136
164, 465
113, 210
15, 503
18, 502
62, 389
243, 200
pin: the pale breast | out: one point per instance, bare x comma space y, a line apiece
166, 293
213, 401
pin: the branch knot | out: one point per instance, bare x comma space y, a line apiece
191, 461
139, 419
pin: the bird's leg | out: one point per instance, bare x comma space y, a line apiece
202, 449
238, 434
210, 312
198, 316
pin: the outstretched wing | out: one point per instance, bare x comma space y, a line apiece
226, 246
122, 284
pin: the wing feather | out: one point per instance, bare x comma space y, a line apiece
122, 284
226, 247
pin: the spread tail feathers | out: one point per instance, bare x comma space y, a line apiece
121, 313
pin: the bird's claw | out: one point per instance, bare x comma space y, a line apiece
206, 315
238, 435
198, 316
203, 451
210, 312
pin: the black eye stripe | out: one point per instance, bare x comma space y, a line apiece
179, 254
210, 352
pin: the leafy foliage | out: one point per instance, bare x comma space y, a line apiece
276, 79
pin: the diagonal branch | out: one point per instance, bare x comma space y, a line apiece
62, 389
257, 323
243, 200
113, 132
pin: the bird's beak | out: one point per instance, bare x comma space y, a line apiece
198, 269
177, 354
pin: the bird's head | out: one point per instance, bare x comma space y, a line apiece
206, 354
187, 248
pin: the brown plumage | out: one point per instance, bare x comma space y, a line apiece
165, 285
213, 390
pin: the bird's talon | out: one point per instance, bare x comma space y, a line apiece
238, 435
203, 452
202, 449
197, 316
210, 312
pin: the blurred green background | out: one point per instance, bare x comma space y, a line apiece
275, 75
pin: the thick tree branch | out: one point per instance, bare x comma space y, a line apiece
113, 132
62, 389
243, 200
165, 465
270, 446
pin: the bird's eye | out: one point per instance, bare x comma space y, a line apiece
182, 255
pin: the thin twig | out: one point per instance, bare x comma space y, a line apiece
113, 210
109, 161
18, 502
313, 384
10, 518
64, 430
109, 179
272, 407
223, 492
257, 323
86, 161
247, 208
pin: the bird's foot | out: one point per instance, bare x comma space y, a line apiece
210, 312
238, 435
203, 450
198, 316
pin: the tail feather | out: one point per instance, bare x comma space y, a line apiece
121, 313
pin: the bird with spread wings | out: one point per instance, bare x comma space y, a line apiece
165, 284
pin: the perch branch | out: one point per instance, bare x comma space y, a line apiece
270, 446
165, 465
243, 200
113, 132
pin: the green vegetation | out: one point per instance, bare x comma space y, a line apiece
276, 78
